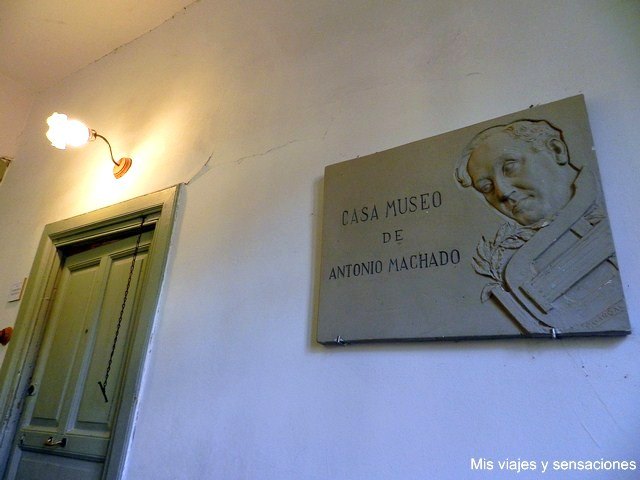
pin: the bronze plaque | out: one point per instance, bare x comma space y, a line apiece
494, 230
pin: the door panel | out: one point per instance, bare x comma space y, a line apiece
39, 466
64, 344
67, 421
93, 413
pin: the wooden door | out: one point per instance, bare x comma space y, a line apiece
66, 425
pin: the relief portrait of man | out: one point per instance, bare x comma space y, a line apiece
552, 262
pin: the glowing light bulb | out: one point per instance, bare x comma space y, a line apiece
64, 132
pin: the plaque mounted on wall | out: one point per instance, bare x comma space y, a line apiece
495, 230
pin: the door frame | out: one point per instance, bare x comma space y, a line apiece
159, 210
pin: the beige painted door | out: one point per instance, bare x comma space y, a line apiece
66, 425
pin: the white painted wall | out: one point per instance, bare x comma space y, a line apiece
236, 388
15, 103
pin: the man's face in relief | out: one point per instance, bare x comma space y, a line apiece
520, 182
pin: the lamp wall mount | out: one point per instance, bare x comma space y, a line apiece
120, 167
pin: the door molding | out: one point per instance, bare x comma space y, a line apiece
159, 209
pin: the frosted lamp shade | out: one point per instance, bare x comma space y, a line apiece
64, 132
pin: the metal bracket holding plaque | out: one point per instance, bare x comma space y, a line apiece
495, 230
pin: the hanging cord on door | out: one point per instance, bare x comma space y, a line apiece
103, 385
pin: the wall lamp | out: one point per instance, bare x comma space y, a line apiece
65, 132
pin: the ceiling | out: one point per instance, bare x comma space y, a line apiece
43, 41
